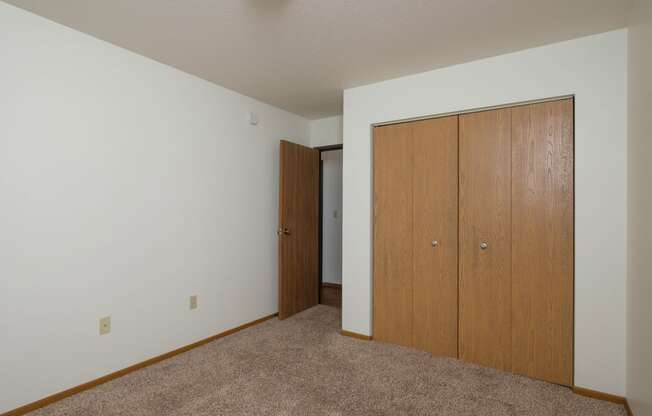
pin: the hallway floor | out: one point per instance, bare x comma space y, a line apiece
303, 366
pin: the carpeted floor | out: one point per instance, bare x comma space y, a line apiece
303, 366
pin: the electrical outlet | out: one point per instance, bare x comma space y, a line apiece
193, 302
105, 325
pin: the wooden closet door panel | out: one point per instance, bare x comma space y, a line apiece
485, 216
435, 219
542, 241
393, 267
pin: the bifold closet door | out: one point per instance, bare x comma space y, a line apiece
435, 173
415, 235
393, 234
542, 241
485, 308
473, 238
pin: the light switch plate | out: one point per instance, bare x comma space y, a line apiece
105, 325
193, 302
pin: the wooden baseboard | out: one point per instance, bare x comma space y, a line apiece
603, 396
333, 285
628, 409
598, 395
355, 335
74, 390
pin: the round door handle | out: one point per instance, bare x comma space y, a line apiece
434, 243
283, 231
484, 245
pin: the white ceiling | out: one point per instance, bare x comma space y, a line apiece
300, 54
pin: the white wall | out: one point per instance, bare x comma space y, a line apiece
595, 70
639, 284
326, 131
125, 187
332, 216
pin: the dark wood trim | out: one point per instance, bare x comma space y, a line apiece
574, 254
78, 389
321, 149
333, 285
330, 147
321, 227
356, 335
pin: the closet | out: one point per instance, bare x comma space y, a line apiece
473, 237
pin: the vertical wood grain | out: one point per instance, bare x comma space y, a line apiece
393, 234
299, 214
435, 218
542, 241
485, 215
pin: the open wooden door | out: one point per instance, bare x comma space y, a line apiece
298, 254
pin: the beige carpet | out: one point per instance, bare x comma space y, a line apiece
302, 366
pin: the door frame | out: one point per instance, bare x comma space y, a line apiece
459, 113
320, 233
474, 110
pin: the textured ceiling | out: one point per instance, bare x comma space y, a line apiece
300, 54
